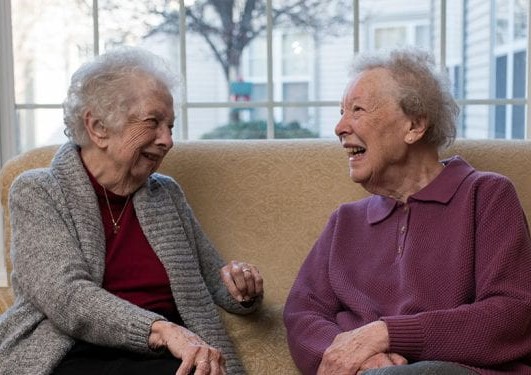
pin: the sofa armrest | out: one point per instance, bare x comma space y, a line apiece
6, 299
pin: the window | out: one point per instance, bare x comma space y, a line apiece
510, 68
292, 66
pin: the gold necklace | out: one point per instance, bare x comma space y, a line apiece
115, 223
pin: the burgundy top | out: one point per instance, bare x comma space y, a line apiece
132, 269
449, 272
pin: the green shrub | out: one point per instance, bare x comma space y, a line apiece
258, 130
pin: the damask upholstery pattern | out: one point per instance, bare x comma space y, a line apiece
266, 202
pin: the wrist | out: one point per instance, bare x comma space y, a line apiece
382, 334
157, 339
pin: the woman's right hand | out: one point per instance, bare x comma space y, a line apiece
190, 348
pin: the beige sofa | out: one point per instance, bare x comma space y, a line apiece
266, 202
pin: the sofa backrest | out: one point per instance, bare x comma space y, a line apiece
266, 202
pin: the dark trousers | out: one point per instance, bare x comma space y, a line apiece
423, 368
85, 359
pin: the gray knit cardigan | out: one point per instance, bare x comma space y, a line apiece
58, 251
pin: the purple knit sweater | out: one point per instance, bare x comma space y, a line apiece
449, 272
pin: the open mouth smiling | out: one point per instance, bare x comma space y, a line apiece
152, 157
355, 151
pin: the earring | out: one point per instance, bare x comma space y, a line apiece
409, 139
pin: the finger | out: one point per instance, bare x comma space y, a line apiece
253, 280
211, 363
215, 368
239, 271
258, 282
228, 280
191, 355
397, 359
249, 275
186, 366
202, 367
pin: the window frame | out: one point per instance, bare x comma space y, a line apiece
8, 106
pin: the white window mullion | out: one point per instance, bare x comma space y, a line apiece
270, 94
7, 87
7, 110
442, 31
96, 27
182, 62
356, 33
528, 89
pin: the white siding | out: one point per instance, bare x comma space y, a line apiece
478, 49
336, 56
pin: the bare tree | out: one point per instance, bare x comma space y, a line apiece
228, 26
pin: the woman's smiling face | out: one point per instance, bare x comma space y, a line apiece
139, 143
373, 128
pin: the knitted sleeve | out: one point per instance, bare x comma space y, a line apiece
52, 272
311, 307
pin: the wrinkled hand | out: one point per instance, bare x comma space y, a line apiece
351, 349
382, 360
243, 280
189, 347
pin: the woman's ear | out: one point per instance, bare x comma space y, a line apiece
417, 129
96, 131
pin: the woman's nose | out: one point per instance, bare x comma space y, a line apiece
165, 137
341, 127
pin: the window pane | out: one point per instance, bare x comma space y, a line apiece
482, 72
50, 40
313, 44
502, 22
388, 24
389, 37
217, 39
520, 19
518, 122
296, 54
39, 127
519, 66
297, 92
296, 122
218, 123
510, 121
329, 118
259, 93
504, 121
422, 36
257, 58
486, 72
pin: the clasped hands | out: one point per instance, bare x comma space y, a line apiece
358, 350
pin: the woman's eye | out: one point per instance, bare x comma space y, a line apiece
341, 111
356, 108
152, 122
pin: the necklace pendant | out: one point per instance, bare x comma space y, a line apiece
116, 228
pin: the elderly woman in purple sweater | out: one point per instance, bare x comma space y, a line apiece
432, 272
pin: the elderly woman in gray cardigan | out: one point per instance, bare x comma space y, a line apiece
112, 272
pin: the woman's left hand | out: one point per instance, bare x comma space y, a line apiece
351, 349
243, 280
